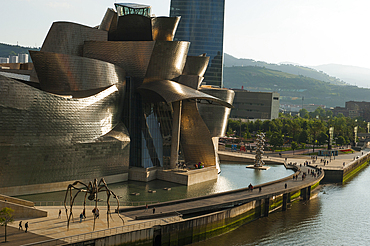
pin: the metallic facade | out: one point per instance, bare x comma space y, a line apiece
202, 23
47, 138
104, 101
215, 116
66, 74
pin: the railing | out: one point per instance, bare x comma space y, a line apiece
92, 203
106, 232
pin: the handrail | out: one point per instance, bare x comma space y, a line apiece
105, 232
92, 203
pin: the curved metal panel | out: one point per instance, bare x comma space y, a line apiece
216, 116
108, 21
167, 61
68, 38
164, 28
132, 56
46, 138
196, 65
63, 74
132, 28
34, 117
196, 141
193, 81
172, 91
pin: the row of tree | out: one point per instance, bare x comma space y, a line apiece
312, 128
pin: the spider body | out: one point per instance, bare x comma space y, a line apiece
91, 192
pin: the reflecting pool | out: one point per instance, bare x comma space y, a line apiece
233, 176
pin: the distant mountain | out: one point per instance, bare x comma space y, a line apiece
292, 87
230, 61
7, 49
353, 75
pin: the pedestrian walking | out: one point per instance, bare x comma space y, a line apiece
97, 213
26, 226
286, 185
20, 226
146, 207
81, 217
153, 210
60, 212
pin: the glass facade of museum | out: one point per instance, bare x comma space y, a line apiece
202, 23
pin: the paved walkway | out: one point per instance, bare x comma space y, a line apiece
52, 227
225, 199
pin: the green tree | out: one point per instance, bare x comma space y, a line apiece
277, 139
294, 146
341, 140
6, 217
303, 113
303, 137
303, 145
322, 138
316, 127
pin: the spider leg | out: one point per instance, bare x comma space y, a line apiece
96, 200
72, 202
69, 189
115, 196
108, 209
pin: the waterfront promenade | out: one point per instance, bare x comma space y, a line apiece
52, 227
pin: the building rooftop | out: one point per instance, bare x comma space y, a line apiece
133, 8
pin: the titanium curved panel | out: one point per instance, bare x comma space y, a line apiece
132, 56
215, 116
68, 38
132, 28
108, 20
164, 28
63, 74
167, 61
196, 65
196, 141
193, 81
172, 91
36, 118
45, 138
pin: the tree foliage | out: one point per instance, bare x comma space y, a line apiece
311, 128
6, 217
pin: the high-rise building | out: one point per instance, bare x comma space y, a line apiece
202, 23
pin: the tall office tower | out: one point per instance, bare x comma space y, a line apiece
202, 23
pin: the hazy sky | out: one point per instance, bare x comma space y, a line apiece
308, 32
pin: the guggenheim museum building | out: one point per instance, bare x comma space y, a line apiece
120, 101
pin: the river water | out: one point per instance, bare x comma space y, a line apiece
339, 215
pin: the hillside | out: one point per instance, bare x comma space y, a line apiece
230, 61
354, 75
292, 87
6, 50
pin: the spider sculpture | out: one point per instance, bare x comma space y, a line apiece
91, 192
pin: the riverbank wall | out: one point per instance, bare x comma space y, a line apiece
341, 175
207, 225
